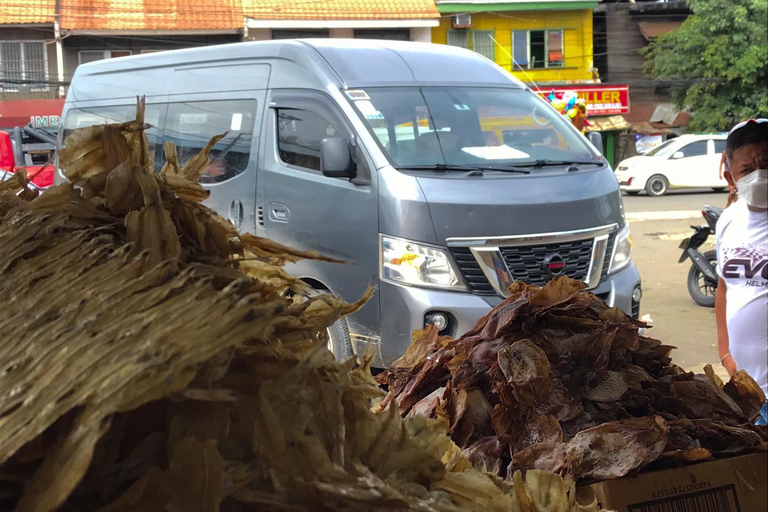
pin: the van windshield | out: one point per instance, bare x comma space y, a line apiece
467, 126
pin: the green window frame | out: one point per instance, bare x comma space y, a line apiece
549, 47
458, 38
483, 43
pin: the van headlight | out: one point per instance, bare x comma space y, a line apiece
407, 262
622, 250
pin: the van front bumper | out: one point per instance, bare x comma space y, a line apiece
404, 309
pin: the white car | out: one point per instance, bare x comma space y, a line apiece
688, 161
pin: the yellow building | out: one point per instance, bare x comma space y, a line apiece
542, 42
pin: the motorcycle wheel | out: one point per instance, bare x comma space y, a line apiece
702, 292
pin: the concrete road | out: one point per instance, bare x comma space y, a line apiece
659, 224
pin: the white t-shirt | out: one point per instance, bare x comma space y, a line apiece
742, 262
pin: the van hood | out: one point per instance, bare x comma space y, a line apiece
544, 201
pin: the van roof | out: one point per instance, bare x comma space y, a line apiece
355, 62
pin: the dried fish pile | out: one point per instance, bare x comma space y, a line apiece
151, 361
554, 379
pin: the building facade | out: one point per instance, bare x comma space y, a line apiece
404, 20
42, 42
622, 32
541, 42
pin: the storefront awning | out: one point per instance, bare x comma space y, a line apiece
651, 29
646, 128
608, 124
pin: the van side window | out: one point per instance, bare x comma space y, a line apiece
190, 125
90, 116
719, 146
299, 134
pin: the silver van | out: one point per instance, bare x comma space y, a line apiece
436, 174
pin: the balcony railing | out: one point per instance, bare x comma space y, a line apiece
29, 90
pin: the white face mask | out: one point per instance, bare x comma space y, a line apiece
753, 188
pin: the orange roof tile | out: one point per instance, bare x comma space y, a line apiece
27, 11
151, 14
340, 9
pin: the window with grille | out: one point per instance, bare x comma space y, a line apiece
23, 63
482, 42
306, 33
555, 49
86, 56
458, 38
395, 34
534, 49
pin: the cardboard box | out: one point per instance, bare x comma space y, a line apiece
728, 485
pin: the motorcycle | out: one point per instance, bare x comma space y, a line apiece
702, 276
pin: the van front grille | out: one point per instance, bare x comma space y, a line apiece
471, 271
526, 263
608, 256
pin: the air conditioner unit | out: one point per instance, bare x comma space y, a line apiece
462, 21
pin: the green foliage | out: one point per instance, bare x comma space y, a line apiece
718, 62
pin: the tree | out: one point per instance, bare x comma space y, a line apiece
717, 62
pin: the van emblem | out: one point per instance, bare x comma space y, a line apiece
554, 264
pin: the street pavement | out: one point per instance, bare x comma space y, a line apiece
658, 225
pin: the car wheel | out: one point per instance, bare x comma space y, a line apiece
657, 185
632, 192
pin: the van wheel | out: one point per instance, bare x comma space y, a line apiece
657, 185
339, 341
719, 189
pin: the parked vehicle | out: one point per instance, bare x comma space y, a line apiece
702, 277
386, 155
31, 149
688, 161
5, 175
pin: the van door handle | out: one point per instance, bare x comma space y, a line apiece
279, 212
236, 213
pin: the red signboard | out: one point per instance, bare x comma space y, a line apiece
601, 99
42, 113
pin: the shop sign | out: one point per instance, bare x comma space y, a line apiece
601, 99
41, 113
45, 121
645, 143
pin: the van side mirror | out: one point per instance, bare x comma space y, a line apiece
677, 154
335, 158
597, 140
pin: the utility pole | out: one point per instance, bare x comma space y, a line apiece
59, 49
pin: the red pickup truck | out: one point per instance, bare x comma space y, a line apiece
28, 148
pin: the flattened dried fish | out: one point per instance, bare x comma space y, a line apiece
558, 367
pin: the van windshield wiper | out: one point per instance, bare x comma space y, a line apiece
552, 163
460, 168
